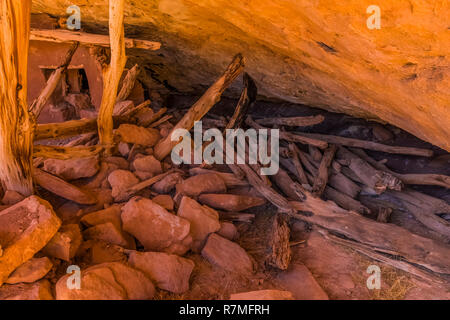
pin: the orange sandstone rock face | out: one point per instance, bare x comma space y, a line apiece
320, 53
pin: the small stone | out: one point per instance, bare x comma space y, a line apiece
299, 280
102, 175
145, 115
203, 220
148, 164
165, 201
31, 271
147, 137
168, 183
124, 149
72, 169
228, 230
88, 114
60, 112
230, 202
12, 197
110, 233
96, 252
143, 175
80, 101
110, 214
155, 227
104, 199
262, 295
27, 291
121, 180
108, 281
65, 243
227, 255
69, 211
169, 272
25, 228
203, 183
118, 161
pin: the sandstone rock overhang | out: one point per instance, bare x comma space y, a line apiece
319, 53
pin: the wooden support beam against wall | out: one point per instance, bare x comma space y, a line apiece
112, 74
89, 39
202, 106
66, 153
52, 82
16, 124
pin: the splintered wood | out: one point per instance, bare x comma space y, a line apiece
278, 249
112, 74
202, 106
16, 124
53, 81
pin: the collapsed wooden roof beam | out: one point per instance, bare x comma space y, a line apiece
90, 39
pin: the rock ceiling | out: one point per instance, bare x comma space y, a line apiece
315, 52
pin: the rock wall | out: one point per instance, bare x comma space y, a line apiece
316, 52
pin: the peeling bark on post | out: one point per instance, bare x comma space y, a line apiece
16, 125
112, 74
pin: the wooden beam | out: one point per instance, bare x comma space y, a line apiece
128, 83
52, 83
363, 144
298, 165
291, 137
377, 180
65, 129
62, 188
129, 192
77, 127
383, 238
408, 178
392, 261
112, 74
292, 121
246, 100
16, 124
202, 106
155, 117
65, 153
88, 39
321, 180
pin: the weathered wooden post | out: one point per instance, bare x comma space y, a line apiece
16, 125
112, 73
